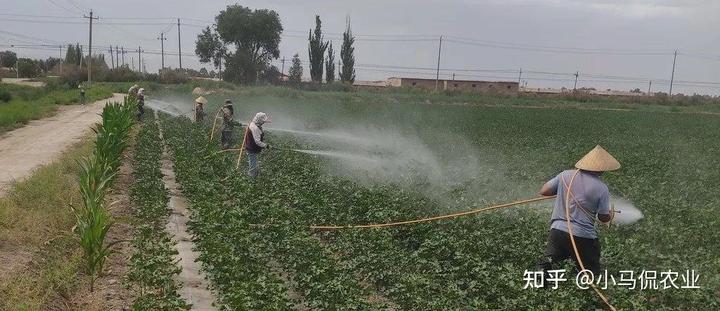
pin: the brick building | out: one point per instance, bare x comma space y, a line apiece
496, 87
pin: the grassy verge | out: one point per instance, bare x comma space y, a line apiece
35, 220
29, 103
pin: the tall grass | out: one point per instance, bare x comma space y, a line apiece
97, 172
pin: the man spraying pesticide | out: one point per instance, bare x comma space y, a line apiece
200, 102
141, 103
133, 91
254, 142
581, 196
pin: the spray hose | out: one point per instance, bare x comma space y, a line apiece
212, 132
572, 238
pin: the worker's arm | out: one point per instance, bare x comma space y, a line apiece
256, 134
605, 212
550, 187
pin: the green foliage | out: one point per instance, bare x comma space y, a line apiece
296, 70
28, 68
254, 36
316, 51
7, 59
97, 173
173, 76
152, 265
466, 263
347, 57
330, 65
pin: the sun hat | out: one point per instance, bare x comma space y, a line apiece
201, 100
598, 160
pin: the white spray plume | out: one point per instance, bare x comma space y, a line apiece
629, 214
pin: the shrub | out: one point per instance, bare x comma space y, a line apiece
173, 76
5, 96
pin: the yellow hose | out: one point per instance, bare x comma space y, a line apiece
242, 147
214, 123
407, 222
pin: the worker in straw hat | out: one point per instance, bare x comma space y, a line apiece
133, 91
200, 102
583, 196
255, 142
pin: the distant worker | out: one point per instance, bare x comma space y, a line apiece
141, 103
200, 102
133, 91
228, 125
589, 198
82, 95
255, 142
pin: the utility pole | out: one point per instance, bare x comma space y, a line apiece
112, 58
17, 62
122, 51
519, 76
672, 77
117, 56
132, 61
139, 50
576, 78
282, 71
61, 60
90, 19
162, 50
437, 73
179, 48
649, 86
453, 76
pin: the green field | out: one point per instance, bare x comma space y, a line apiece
402, 158
29, 103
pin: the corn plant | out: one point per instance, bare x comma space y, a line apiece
97, 173
93, 220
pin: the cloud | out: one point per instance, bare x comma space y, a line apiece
635, 9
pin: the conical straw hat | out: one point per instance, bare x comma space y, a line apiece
598, 160
201, 100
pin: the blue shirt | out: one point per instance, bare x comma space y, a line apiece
590, 192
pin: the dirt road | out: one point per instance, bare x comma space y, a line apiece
41, 141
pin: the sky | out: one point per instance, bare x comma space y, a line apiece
613, 44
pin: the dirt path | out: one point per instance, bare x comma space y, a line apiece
194, 286
23, 81
41, 141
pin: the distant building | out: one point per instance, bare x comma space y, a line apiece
497, 87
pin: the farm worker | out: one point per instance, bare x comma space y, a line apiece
82, 95
228, 125
588, 197
199, 113
254, 142
133, 91
141, 103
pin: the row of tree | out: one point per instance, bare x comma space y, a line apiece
316, 52
246, 41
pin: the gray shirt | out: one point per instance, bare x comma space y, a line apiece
590, 192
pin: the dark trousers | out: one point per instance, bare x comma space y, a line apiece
226, 139
560, 248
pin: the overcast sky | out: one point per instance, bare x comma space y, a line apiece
485, 39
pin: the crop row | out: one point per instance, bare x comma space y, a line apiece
152, 265
287, 262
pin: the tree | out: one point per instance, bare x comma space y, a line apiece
8, 59
253, 35
330, 65
209, 48
28, 68
296, 70
347, 57
316, 51
70, 54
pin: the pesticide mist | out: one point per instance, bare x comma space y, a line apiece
628, 213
